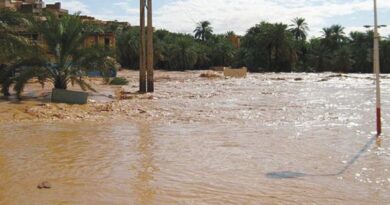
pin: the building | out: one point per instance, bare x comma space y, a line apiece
56, 9
37, 7
235, 40
106, 39
8, 4
25, 6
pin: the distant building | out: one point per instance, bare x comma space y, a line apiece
8, 4
25, 6
56, 9
37, 7
106, 39
235, 40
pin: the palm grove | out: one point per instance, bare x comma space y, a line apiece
266, 47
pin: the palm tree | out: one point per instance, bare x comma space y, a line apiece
14, 44
127, 45
338, 33
299, 29
62, 60
281, 52
181, 55
203, 30
10, 41
334, 37
327, 33
360, 46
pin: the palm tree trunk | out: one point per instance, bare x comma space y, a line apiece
150, 63
60, 83
142, 56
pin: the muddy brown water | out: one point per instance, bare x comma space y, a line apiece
267, 139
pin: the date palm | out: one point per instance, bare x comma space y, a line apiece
62, 59
203, 30
299, 29
11, 42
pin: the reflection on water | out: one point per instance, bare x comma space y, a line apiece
144, 189
211, 142
291, 175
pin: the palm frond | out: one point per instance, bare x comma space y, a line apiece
83, 85
26, 75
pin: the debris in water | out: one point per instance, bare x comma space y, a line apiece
279, 79
357, 175
285, 175
142, 111
335, 76
44, 185
210, 74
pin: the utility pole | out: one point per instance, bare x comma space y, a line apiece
377, 71
150, 50
142, 53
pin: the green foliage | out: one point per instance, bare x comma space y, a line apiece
61, 60
119, 81
266, 47
127, 44
299, 29
203, 30
269, 47
11, 44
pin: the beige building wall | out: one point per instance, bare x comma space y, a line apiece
8, 4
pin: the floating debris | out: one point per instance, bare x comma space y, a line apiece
44, 185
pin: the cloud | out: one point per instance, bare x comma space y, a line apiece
239, 15
235, 15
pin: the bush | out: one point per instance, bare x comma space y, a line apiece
119, 81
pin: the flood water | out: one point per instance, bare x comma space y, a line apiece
267, 139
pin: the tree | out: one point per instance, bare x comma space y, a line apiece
338, 33
181, 55
319, 56
385, 56
299, 29
269, 47
14, 44
334, 37
203, 31
62, 61
342, 60
127, 45
360, 46
222, 50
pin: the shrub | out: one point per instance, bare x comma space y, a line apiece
119, 81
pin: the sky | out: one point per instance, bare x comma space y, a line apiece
239, 15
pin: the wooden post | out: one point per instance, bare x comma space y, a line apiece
142, 53
150, 50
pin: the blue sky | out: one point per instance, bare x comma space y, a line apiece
239, 15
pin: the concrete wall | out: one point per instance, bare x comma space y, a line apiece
107, 40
